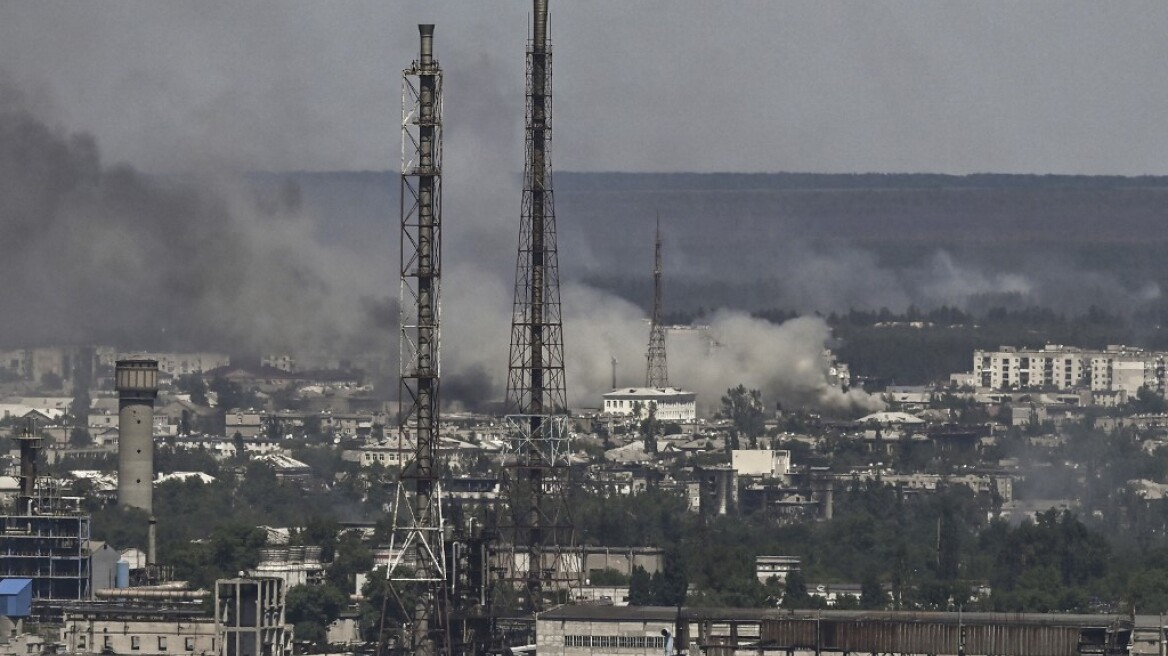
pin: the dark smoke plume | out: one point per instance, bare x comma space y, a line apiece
105, 254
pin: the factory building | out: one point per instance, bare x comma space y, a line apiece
46, 537
1113, 369
672, 404
653, 630
50, 549
149, 630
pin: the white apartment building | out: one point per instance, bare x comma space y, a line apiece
1113, 369
183, 364
672, 404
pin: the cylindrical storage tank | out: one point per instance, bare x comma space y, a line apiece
122, 574
137, 384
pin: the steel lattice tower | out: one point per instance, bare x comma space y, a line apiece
418, 558
656, 369
536, 529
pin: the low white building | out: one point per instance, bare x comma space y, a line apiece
777, 567
761, 462
671, 404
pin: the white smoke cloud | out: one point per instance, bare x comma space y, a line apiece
786, 362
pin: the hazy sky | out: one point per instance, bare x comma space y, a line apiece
664, 85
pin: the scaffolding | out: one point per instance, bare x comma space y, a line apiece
52, 550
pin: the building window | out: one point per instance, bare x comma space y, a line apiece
189, 644
81, 641
135, 643
107, 643
161, 643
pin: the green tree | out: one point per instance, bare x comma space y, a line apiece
1148, 401
872, 595
384, 611
670, 584
79, 437
352, 556
608, 576
649, 428
321, 532
640, 587
796, 595
310, 609
745, 411
195, 386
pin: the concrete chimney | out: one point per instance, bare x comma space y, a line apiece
136, 380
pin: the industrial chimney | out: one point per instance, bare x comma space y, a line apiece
29, 444
136, 380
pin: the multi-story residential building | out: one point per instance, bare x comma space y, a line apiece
182, 364
1113, 369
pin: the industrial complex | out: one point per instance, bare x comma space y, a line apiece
540, 528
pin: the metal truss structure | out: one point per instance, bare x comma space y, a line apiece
656, 369
417, 571
533, 519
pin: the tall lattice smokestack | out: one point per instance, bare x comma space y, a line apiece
533, 516
136, 380
656, 370
417, 536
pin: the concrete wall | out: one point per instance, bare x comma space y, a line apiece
138, 636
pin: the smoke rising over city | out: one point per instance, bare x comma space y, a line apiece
104, 253
101, 254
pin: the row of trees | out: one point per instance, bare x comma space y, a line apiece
931, 551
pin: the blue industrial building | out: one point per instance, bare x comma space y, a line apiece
15, 597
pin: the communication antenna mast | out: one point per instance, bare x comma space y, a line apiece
533, 518
656, 370
418, 558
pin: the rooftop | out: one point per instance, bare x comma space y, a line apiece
647, 391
